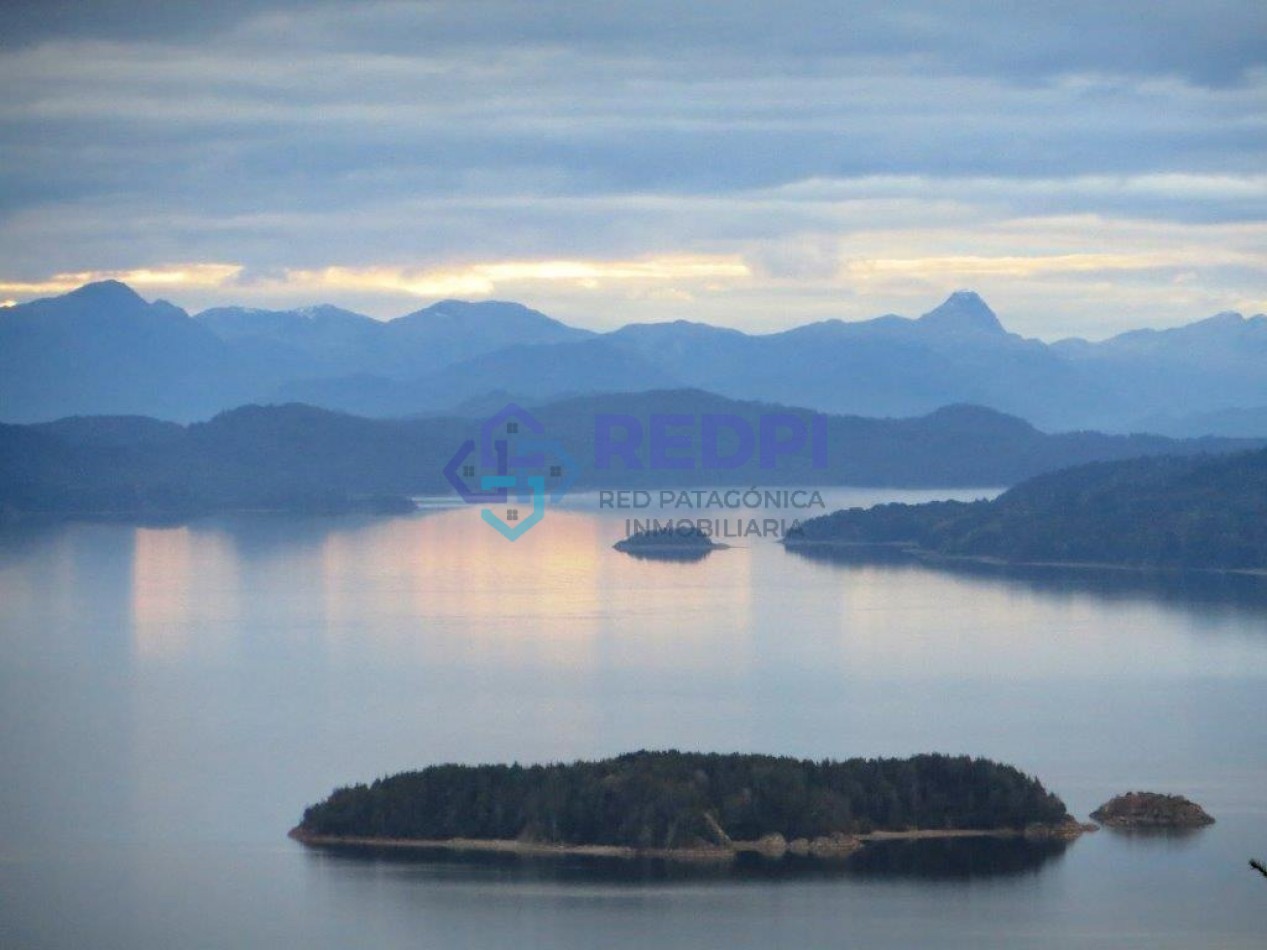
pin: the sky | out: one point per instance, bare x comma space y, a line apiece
1087, 167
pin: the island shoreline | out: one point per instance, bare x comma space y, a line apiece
841, 847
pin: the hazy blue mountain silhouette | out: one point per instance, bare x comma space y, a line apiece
531, 372
102, 349
1250, 422
887, 366
339, 342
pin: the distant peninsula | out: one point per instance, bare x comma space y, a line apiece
681, 804
1203, 512
1147, 810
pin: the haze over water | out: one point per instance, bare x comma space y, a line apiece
172, 698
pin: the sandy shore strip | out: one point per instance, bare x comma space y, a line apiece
771, 845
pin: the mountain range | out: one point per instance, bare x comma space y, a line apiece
102, 349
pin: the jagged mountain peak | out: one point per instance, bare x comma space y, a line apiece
1225, 319
328, 311
963, 312
106, 293
101, 303
459, 310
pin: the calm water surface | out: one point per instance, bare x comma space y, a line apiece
172, 698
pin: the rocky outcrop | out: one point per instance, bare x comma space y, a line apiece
1151, 810
836, 845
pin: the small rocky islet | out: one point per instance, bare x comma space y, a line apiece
1151, 810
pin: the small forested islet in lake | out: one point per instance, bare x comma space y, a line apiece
680, 801
673, 543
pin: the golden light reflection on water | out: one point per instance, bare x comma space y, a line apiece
185, 591
553, 598
451, 586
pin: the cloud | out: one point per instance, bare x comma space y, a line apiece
843, 158
1214, 42
970, 267
487, 279
183, 277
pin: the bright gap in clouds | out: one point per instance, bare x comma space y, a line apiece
762, 290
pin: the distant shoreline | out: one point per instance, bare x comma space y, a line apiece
933, 557
840, 847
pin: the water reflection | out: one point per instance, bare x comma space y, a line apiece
961, 859
1165, 838
958, 859
684, 556
185, 592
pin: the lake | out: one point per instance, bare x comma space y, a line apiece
171, 698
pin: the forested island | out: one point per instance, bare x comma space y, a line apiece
680, 803
1193, 512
